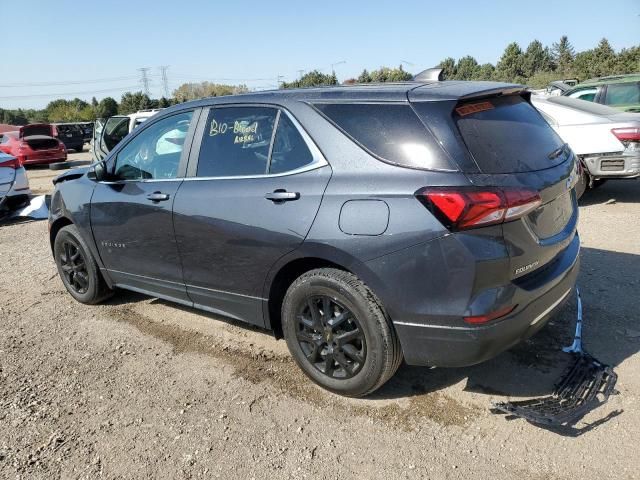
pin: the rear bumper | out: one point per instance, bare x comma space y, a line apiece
454, 345
614, 166
42, 159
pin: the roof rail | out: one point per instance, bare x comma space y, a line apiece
432, 74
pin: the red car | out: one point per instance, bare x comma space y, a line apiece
34, 144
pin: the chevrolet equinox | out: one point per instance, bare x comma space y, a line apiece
428, 221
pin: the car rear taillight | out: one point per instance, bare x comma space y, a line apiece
13, 163
480, 319
629, 137
630, 134
463, 208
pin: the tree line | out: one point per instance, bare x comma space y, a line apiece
538, 65
535, 66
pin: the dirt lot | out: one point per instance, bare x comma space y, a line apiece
139, 388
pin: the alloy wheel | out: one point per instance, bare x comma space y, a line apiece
74, 267
331, 337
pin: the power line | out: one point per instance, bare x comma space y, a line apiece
64, 94
144, 79
67, 82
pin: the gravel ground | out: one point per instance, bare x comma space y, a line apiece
139, 388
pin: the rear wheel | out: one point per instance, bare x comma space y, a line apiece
583, 183
338, 333
77, 267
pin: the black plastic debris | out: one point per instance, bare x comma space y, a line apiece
586, 385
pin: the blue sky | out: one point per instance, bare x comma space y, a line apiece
253, 42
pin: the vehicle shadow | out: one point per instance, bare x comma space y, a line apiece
608, 285
622, 191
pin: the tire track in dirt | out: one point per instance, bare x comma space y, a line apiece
258, 365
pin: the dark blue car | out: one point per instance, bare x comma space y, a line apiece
430, 221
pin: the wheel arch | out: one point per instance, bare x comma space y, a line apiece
55, 227
290, 267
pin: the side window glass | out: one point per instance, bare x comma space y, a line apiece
236, 141
155, 152
115, 130
588, 94
623, 94
289, 148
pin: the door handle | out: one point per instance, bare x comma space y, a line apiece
279, 196
158, 196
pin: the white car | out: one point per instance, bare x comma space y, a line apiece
107, 133
606, 140
14, 185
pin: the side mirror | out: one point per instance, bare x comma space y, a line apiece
98, 172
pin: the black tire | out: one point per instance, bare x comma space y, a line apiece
79, 149
372, 338
77, 267
583, 183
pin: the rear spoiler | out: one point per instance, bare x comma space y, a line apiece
463, 91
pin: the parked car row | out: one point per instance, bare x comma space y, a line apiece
617, 91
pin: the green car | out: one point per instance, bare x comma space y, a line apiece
617, 91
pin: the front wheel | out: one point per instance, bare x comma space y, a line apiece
77, 267
338, 333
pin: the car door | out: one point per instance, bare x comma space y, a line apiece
107, 134
131, 214
254, 186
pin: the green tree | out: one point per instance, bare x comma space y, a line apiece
164, 102
485, 72
510, 67
192, 91
628, 60
536, 59
448, 66
604, 59
386, 74
563, 54
364, 77
108, 107
313, 78
132, 102
466, 68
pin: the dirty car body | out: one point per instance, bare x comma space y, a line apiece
453, 203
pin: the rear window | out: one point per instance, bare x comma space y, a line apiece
508, 135
391, 132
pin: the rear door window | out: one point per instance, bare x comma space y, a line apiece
236, 141
587, 94
290, 152
508, 135
115, 130
391, 132
623, 94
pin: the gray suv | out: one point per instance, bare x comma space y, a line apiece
433, 222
